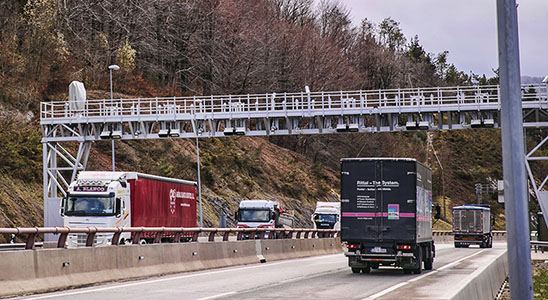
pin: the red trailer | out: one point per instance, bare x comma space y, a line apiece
162, 202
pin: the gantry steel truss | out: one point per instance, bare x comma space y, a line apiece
72, 127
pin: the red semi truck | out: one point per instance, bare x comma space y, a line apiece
127, 199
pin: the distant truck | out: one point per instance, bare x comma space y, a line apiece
262, 214
472, 226
386, 209
327, 215
127, 199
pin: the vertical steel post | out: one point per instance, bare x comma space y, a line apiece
199, 181
112, 141
515, 185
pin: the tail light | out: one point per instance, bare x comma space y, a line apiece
404, 247
353, 246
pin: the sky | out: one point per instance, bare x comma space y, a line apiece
465, 28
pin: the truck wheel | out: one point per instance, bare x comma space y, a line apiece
366, 270
428, 263
375, 266
457, 245
490, 245
355, 270
418, 268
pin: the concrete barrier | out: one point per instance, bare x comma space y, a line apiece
485, 282
32, 271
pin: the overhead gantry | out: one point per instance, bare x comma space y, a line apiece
70, 128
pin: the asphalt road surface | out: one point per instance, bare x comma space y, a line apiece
320, 277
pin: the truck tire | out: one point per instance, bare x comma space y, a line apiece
418, 268
457, 245
366, 270
429, 262
355, 270
490, 245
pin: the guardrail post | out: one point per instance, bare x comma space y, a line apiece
157, 238
226, 235
90, 238
239, 236
306, 234
211, 236
136, 237
195, 235
116, 238
298, 235
177, 237
62, 240
29, 245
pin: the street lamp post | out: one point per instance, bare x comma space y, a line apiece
110, 69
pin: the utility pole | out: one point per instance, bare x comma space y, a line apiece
515, 184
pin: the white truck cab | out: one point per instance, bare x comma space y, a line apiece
262, 214
327, 215
97, 199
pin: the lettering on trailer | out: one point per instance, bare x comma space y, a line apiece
371, 185
174, 195
92, 189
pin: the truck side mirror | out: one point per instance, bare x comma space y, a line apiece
62, 209
118, 207
437, 216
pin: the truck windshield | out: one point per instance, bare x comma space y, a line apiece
89, 206
467, 220
254, 215
326, 218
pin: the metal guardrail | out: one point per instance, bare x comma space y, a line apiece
539, 245
157, 233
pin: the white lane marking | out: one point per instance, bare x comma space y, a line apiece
217, 296
175, 278
388, 290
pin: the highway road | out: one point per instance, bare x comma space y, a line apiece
321, 277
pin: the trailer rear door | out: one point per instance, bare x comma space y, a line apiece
378, 200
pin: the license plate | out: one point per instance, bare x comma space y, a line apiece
378, 250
